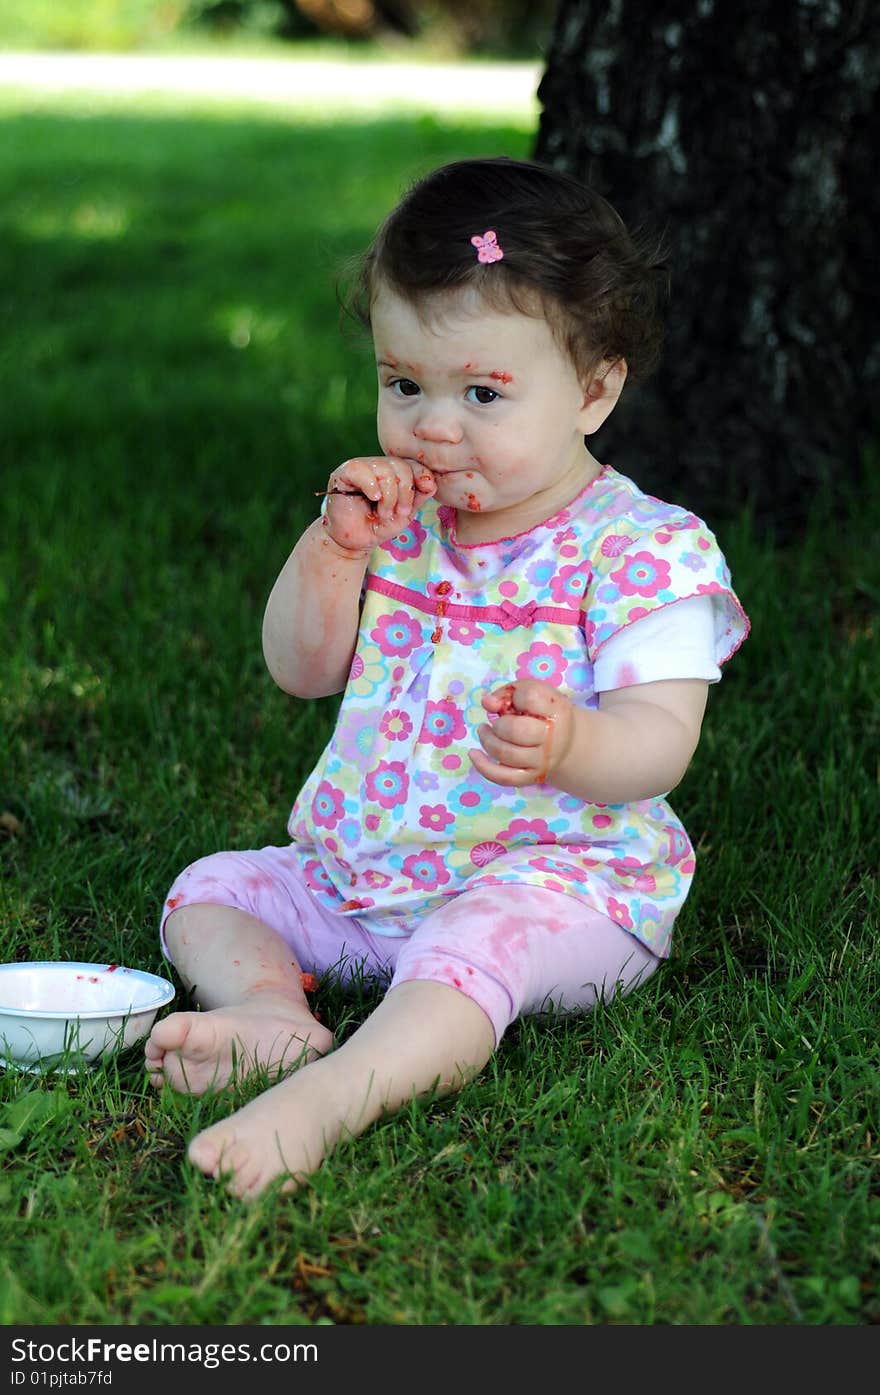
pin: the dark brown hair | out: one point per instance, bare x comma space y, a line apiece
567, 255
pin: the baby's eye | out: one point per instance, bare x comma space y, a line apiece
405, 387
482, 395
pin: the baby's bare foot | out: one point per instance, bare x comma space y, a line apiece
285, 1132
198, 1052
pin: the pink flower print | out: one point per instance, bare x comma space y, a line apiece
443, 724
616, 544
678, 525
559, 869
528, 831
543, 661
425, 869
642, 574
372, 822
484, 853
435, 817
464, 631
377, 880
328, 805
397, 635
569, 586
396, 725
679, 844
407, 544
388, 784
624, 866
619, 913
631, 870
317, 878
711, 588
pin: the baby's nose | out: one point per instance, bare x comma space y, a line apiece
438, 424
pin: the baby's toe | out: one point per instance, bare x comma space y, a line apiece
169, 1034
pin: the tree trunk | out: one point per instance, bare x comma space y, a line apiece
748, 134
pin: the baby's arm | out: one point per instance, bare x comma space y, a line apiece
638, 743
311, 620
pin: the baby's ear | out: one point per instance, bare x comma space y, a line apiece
602, 395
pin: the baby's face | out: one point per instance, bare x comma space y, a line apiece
489, 402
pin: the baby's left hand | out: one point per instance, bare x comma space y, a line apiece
530, 735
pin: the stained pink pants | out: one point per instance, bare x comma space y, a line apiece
516, 950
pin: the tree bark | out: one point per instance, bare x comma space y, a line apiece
748, 135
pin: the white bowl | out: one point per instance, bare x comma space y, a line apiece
59, 1015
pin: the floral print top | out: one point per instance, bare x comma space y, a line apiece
394, 818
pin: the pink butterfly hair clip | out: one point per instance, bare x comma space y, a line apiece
488, 247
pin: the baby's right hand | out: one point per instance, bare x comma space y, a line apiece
372, 498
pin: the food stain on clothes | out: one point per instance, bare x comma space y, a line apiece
441, 601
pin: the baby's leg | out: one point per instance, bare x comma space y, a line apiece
464, 975
520, 950
255, 1012
423, 1037
238, 926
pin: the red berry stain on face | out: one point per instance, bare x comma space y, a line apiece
499, 377
473, 503
441, 594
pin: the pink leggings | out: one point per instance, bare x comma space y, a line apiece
515, 950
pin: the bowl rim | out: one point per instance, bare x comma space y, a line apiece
164, 987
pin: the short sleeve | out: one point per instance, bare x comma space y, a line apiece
675, 642
639, 570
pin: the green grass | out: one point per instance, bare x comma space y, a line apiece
173, 387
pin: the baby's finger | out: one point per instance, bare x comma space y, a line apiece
356, 476
406, 490
501, 774
509, 752
518, 729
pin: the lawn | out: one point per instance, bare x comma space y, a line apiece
174, 387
